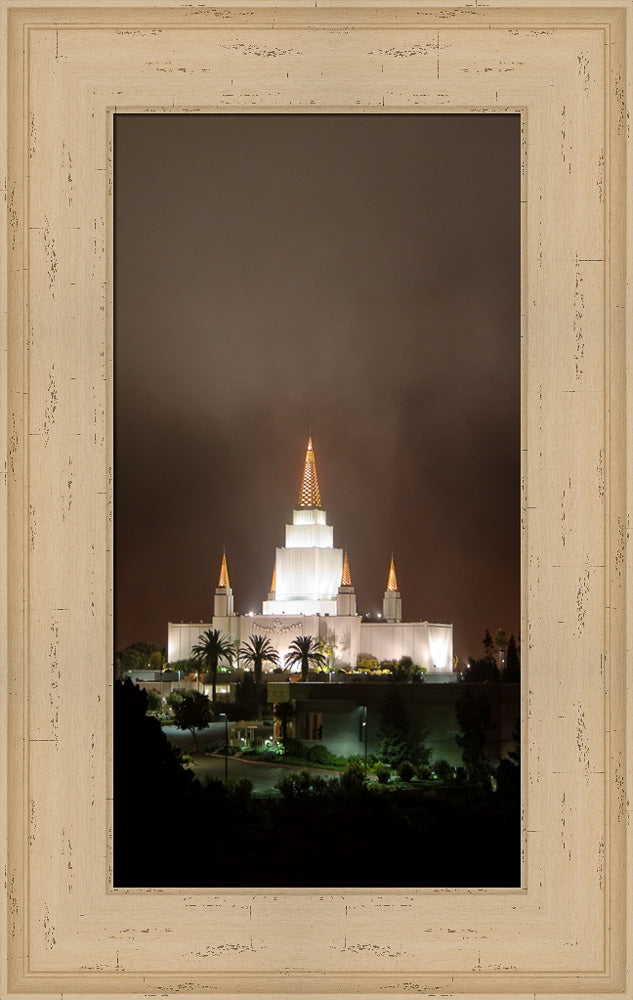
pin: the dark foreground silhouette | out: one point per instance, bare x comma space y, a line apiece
171, 831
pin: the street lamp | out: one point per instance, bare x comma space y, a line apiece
226, 744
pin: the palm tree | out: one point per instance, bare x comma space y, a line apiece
305, 651
212, 645
258, 650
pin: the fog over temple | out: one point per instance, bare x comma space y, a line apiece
312, 594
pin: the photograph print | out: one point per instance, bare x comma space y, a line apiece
317, 402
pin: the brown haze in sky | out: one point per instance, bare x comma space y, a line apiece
356, 276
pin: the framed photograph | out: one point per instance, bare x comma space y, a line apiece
247, 310
565, 71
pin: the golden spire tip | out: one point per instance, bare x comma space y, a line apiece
309, 493
224, 572
392, 582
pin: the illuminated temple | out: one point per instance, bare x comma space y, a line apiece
312, 594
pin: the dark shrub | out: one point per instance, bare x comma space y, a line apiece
319, 754
240, 789
444, 770
302, 783
406, 770
359, 758
425, 772
382, 772
294, 748
353, 777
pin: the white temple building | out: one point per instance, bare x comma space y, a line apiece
312, 594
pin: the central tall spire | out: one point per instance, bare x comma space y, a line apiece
309, 493
308, 567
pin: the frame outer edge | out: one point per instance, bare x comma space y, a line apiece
628, 327
4, 445
628, 472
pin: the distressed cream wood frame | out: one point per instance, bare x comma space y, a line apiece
563, 67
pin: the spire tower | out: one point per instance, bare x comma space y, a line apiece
223, 600
309, 493
346, 597
392, 602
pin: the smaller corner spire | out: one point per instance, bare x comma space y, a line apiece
273, 582
392, 582
346, 579
224, 572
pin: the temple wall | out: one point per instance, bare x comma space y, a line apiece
430, 646
181, 636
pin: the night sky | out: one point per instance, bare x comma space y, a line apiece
356, 277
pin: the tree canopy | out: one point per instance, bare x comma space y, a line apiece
511, 673
211, 647
193, 711
304, 651
139, 656
401, 739
493, 665
474, 720
404, 670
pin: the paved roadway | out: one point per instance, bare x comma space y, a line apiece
183, 738
264, 776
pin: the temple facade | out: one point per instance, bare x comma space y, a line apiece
312, 594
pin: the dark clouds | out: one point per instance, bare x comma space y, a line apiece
356, 275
